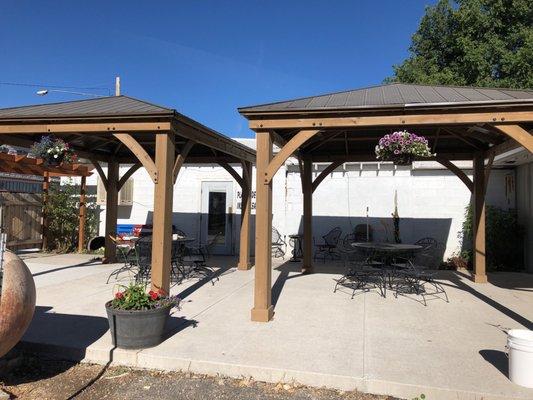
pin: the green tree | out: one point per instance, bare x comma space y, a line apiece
472, 42
62, 211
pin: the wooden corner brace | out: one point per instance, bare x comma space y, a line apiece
139, 152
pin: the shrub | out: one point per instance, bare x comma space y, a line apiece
504, 238
62, 211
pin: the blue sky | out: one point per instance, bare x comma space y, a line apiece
204, 58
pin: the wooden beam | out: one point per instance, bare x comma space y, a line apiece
139, 152
478, 214
328, 170
370, 156
457, 171
307, 188
128, 174
233, 173
263, 310
504, 147
82, 215
246, 207
391, 120
519, 134
111, 127
46, 188
180, 159
111, 212
213, 141
292, 145
101, 173
162, 222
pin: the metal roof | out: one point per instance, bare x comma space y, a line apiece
209, 144
103, 106
396, 95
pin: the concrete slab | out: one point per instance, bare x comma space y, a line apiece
394, 346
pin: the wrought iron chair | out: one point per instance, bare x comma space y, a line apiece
126, 255
278, 244
416, 274
143, 258
361, 271
328, 248
192, 261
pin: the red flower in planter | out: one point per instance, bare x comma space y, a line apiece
153, 295
119, 295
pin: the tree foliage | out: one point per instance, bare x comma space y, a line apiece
62, 211
472, 43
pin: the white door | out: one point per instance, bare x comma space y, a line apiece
217, 216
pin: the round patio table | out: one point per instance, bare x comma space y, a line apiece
388, 251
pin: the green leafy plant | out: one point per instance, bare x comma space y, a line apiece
62, 210
135, 297
504, 239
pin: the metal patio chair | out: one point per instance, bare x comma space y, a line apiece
278, 244
328, 248
143, 258
361, 271
126, 255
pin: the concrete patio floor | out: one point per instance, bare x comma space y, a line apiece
394, 346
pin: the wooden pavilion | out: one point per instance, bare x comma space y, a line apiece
461, 123
124, 130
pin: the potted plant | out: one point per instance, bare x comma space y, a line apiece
137, 318
402, 148
53, 151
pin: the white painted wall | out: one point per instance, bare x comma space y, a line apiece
431, 200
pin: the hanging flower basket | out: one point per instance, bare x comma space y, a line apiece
53, 151
402, 148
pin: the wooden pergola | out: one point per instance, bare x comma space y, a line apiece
24, 165
123, 130
461, 123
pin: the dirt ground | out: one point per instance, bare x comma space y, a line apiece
32, 377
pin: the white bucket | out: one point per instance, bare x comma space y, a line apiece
520, 347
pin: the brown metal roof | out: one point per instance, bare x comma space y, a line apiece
107, 111
396, 95
104, 106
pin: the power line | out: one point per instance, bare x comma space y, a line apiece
55, 86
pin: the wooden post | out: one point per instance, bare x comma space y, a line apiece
307, 189
82, 215
263, 310
111, 212
46, 187
162, 222
478, 214
246, 206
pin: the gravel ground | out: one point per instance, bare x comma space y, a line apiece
32, 377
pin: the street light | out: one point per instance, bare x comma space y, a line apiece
44, 92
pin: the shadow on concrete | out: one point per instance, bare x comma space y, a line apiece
520, 281
456, 281
498, 359
91, 263
207, 279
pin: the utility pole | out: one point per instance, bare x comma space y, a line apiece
117, 86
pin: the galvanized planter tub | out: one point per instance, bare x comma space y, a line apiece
132, 329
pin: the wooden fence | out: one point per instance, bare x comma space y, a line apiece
22, 218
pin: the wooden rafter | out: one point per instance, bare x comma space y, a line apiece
292, 145
328, 170
519, 134
180, 159
233, 173
124, 178
139, 152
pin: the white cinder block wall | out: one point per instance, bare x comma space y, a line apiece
431, 201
